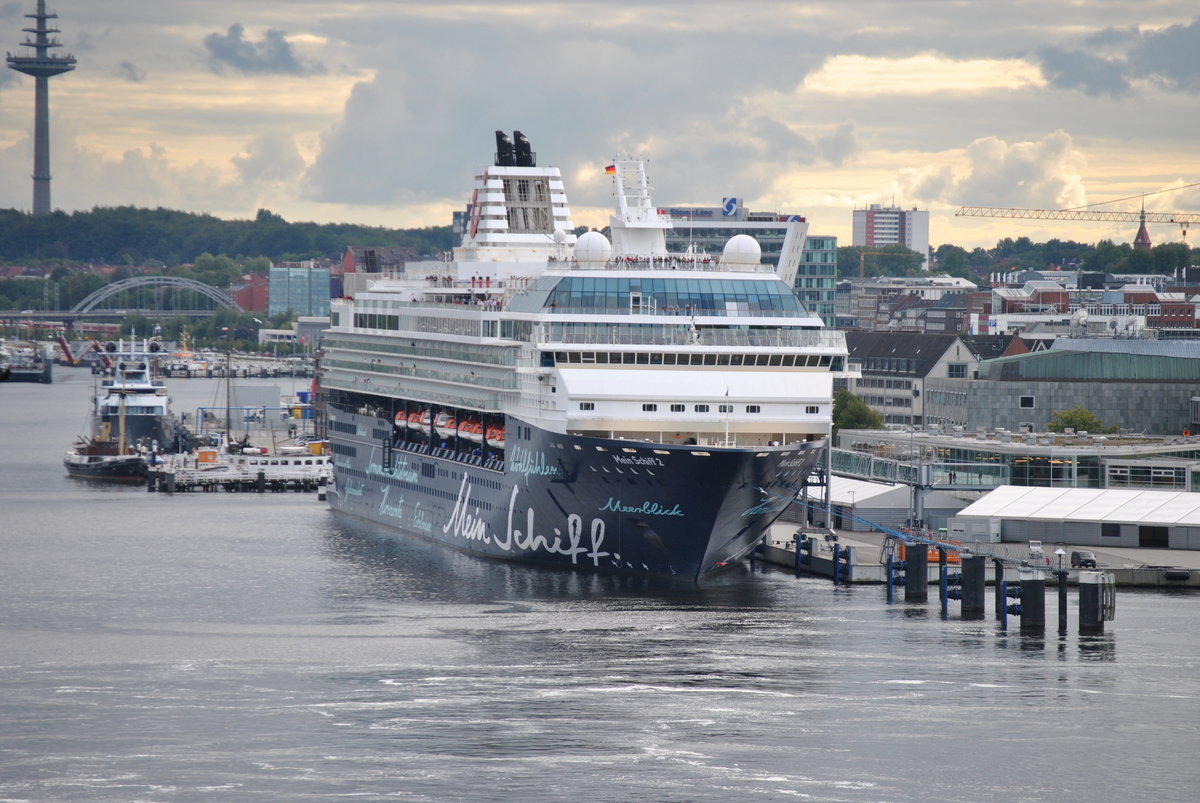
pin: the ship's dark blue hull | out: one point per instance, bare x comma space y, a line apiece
569, 501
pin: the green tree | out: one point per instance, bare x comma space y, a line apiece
851, 412
1079, 419
880, 260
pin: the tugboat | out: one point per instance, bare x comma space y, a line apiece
130, 422
586, 403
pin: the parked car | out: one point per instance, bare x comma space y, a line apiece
1083, 559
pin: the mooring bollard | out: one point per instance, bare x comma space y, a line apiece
1097, 602
894, 579
974, 577
916, 573
943, 582
998, 591
1061, 574
1033, 601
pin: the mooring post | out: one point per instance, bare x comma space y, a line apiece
916, 573
260, 482
799, 551
753, 552
999, 591
974, 572
1092, 586
943, 582
170, 477
1061, 574
1002, 603
1033, 600
890, 579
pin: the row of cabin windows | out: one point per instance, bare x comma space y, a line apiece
651, 407
672, 358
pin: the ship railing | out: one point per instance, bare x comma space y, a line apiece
787, 338
488, 461
686, 312
669, 262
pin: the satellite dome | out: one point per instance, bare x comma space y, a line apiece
742, 249
593, 246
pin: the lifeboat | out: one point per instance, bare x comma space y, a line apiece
445, 425
472, 430
495, 437
400, 420
419, 419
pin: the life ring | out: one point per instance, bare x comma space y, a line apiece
1187, 433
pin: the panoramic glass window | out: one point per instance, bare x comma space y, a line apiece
674, 296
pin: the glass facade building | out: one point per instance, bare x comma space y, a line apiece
816, 280
303, 290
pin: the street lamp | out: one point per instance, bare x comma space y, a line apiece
1061, 553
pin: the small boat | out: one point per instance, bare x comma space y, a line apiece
445, 425
471, 429
419, 419
495, 437
104, 460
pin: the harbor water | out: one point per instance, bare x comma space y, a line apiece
218, 647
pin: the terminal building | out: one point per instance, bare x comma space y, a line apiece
983, 460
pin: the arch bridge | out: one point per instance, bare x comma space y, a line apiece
131, 295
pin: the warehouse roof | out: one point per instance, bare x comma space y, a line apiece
1119, 505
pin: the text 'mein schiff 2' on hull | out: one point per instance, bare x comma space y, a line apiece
578, 401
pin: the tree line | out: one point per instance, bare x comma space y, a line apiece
1020, 253
132, 236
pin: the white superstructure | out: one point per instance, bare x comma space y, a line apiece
613, 339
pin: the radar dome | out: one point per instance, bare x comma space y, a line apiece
742, 249
592, 246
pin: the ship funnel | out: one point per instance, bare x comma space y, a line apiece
504, 150
524, 154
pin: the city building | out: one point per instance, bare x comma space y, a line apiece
816, 277
251, 292
890, 225
873, 304
301, 287
376, 259
895, 367
1135, 385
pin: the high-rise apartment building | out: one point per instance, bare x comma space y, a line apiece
891, 225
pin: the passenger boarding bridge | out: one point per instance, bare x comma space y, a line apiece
942, 476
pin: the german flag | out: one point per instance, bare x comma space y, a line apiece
611, 169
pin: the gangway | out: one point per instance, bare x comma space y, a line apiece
943, 476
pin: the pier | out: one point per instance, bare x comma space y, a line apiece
242, 473
1130, 567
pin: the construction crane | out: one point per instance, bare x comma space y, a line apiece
1182, 219
862, 261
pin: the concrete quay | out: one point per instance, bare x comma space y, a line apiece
1130, 567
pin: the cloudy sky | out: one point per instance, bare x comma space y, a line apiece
378, 111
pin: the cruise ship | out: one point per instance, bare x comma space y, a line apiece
589, 402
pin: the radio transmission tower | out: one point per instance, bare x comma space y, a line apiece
37, 60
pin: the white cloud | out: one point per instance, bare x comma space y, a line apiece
922, 74
812, 108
